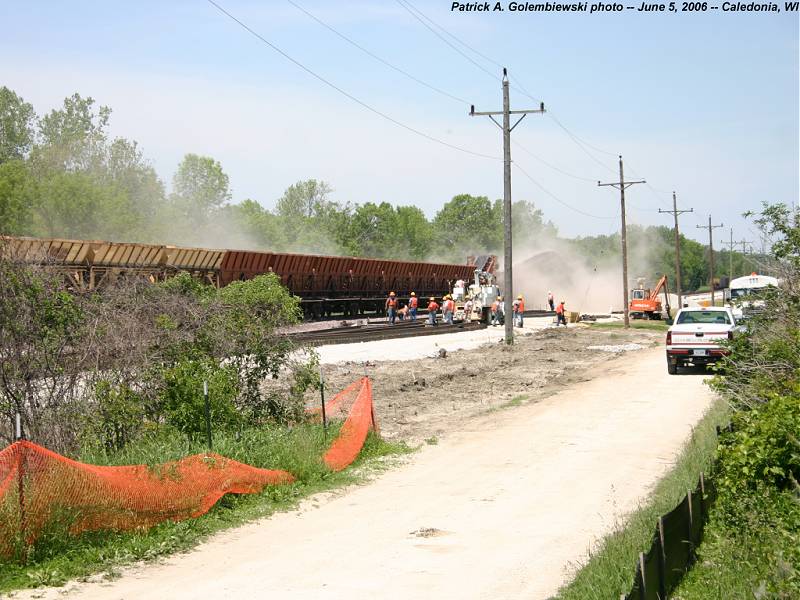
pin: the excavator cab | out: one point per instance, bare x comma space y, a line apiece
639, 294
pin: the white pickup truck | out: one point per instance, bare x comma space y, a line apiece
695, 336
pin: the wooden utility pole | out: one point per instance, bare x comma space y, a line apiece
675, 212
711, 229
507, 128
730, 246
621, 185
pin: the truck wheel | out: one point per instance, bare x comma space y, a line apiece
672, 367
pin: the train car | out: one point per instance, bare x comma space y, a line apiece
327, 285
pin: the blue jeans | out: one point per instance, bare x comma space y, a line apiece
518, 318
448, 317
432, 318
413, 313
392, 315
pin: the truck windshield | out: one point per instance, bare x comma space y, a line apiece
704, 316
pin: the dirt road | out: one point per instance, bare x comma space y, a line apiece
500, 509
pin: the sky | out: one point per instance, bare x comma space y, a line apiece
703, 104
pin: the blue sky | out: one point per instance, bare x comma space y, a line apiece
706, 104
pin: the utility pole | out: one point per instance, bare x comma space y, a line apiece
675, 213
621, 185
507, 128
730, 257
711, 229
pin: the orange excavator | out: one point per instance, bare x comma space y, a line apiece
646, 304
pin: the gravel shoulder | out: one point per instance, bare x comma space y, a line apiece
503, 505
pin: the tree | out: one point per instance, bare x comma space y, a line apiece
468, 224
17, 119
415, 233
200, 187
304, 199
16, 198
528, 226
72, 136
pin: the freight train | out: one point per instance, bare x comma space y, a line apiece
326, 285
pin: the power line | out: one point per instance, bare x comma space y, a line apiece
414, 12
556, 198
547, 164
376, 57
345, 93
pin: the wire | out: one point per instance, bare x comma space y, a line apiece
556, 198
345, 93
547, 164
414, 12
580, 145
378, 58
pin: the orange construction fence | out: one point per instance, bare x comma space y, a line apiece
39, 487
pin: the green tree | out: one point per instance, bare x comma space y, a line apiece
72, 136
17, 119
15, 198
304, 199
200, 187
415, 233
467, 224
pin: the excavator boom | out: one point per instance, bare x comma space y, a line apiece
661, 283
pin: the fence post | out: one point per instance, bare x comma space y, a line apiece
690, 536
643, 579
209, 441
662, 560
23, 525
322, 397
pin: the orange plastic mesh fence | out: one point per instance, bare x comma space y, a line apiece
39, 487
361, 418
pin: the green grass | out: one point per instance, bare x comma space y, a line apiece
59, 557
754, 555
635, 324
608, 571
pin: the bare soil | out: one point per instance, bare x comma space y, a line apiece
420, 400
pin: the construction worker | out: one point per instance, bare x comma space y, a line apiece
496, 310
468, 310
413, 302
448, 308
391, 307
560, 314
550, 301
519, 308
402, 313
432, 308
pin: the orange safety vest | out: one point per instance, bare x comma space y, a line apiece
433, 307
412, 302
391, 302
449, 305
520, 306
560, 309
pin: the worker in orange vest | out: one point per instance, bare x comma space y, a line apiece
560, 316
448, 308
413, 302
432, 308
519, 308
497, 311
391, 307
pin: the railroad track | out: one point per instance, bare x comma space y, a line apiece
379, 331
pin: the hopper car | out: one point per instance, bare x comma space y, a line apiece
326, 285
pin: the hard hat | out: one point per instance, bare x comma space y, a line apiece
519, 297
499, 297
432, 298
391, 293
413, 294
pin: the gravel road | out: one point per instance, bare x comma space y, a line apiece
502, 508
